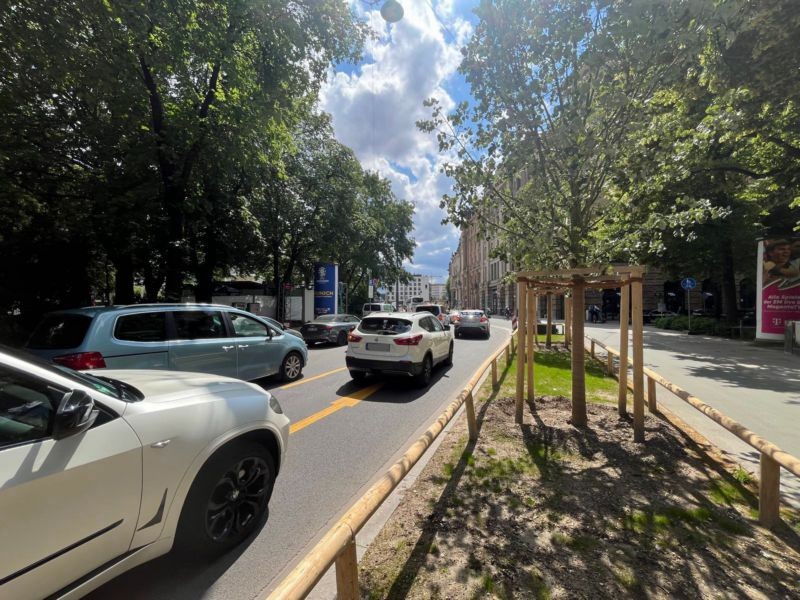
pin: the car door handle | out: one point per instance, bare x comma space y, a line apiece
241, 346
226, 348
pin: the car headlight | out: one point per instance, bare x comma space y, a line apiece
275, 405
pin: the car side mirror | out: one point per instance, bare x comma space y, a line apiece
76, 413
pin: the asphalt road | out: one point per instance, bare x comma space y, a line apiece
345, 435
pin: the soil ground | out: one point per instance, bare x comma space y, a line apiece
547, 510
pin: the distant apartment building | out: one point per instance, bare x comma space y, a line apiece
420, 286
438, 293
477, 279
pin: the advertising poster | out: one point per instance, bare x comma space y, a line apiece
326, 286
778, 299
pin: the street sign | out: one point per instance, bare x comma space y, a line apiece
688, 283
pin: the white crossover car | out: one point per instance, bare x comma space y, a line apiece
101, 472
408, 344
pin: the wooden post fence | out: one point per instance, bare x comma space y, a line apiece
638, 357
522, 292
529, 358
549, 339
578, 351
624, 303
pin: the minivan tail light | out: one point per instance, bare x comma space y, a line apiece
81, 361
484, 319
352, 337
414, 340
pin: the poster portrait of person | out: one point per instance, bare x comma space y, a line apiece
778, 261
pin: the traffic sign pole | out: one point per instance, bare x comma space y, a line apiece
689, 283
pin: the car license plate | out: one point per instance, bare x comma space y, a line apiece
378, 347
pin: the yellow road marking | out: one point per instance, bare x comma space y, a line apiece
344, 402
302, 381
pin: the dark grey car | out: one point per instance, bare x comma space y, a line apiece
329, 328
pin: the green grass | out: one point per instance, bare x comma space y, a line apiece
669, 519
553, 377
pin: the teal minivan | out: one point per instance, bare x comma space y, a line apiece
204, 338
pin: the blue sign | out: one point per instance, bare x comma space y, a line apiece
688, 283
326, 284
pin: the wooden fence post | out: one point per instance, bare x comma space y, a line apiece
579, 418
652, 403
549, 339
624, 303
591, 351
535, 322
494, 372
609, 363
347, 573
567, 321
638, 357
532, 299
769, 492
522, 291
508, 351
472, 424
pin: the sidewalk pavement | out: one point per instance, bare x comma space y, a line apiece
757, 385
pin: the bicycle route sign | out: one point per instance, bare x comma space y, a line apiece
688, 283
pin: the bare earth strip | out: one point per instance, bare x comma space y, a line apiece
551, 511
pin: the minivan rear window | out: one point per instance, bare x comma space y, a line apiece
433, 309
384, 325
142, 327
60, 331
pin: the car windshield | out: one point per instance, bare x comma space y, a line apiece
385, 325
327, 318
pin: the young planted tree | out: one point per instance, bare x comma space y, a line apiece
556, 85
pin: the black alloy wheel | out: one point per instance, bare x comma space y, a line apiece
238, 500
424, 378
228, 500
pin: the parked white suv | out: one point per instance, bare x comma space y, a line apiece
399, 344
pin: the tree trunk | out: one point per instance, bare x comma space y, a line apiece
174, 260
204, 270
123, 279
729, 283
153, 280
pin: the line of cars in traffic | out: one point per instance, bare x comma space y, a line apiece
139, 423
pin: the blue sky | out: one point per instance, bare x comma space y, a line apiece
376, 103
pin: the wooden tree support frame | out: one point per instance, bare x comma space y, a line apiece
572, 283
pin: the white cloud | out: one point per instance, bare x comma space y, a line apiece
376, 106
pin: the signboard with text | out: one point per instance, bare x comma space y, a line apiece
326, 285
778, 299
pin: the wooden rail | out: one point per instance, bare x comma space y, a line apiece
772, 457
338, 545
